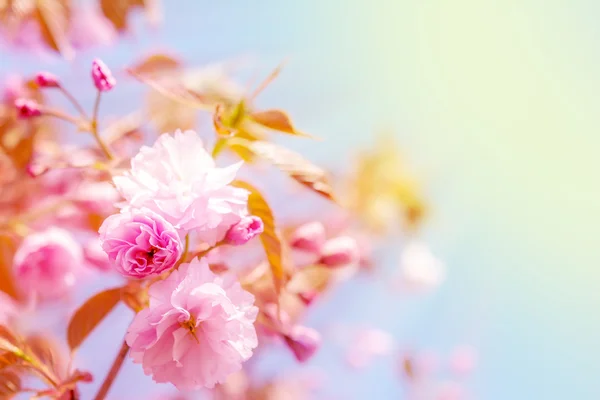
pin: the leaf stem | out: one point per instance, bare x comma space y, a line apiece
94, 128
112, 374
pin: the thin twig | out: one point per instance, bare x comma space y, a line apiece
94, 127
112, 374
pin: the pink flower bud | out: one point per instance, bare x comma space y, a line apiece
303, 341
102, 76
46, 80
27, 108
309, 237
308, 296
245, 230
340, 251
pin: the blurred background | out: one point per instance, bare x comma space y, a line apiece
495, 107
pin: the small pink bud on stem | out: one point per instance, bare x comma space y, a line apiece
340, 251
245, 230
46, 80
102, 76
27, 108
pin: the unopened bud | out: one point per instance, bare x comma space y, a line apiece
27, 108
303, 341
102, 76
46, 80
340, 251
309, 237
245, 230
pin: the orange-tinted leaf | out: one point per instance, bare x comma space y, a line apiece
6, 255
9, 341
10, 384
290, 162
270, 239
117, 11
90, 314
53, 19
45, 351
167, 115
9, 359
155, 64
174, 90
276, 120
309, 278
135, 296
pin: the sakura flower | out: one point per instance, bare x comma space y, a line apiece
46, 263
198, 329
178, 179
140, 243
244, 231
419, 268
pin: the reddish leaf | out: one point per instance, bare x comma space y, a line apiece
290, 162
117, 11
53, 19
135, 296
9, 341
45, 351
6, 254
155, 63
9, 359
309, 278
90, 314
277, 120
270, 238
10, 384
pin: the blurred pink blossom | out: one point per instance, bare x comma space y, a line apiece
95, 255
368, 344
419, 269
463, 360
198, 329
46, 263
8, 309
89, 28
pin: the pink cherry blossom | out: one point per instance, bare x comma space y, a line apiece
46, 263
178, 179
309, 237
89, 28
198, 329
244, 231
340, 251
140, 243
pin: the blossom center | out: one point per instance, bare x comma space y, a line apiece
190, 325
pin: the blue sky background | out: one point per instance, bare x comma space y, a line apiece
495, 105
